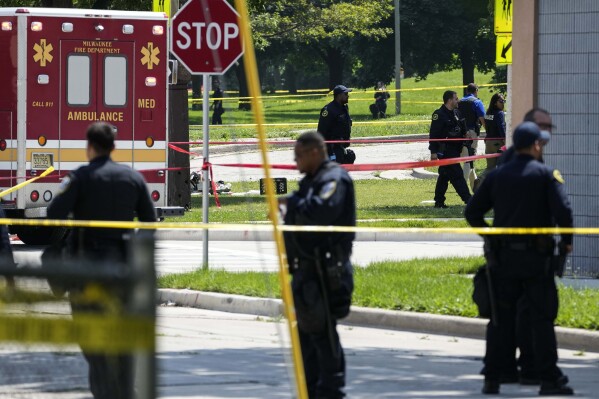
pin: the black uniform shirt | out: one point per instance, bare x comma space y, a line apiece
523, 193
446, 123
334, 122
325, 199
103, 190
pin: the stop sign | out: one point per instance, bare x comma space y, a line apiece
205, 36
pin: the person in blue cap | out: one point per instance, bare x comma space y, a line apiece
523, 193
335, 124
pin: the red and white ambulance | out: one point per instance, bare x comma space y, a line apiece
60, 70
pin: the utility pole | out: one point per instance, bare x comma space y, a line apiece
397, 62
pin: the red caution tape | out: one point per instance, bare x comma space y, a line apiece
208, 166
374, 166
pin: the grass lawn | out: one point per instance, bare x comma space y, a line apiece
440, 286
380, 200
418, 103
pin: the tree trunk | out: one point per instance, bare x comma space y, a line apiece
466, 58
290, 76
245, 104
335, 60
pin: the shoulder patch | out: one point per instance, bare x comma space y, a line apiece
325, 113
435, 116
558, 176
328, 190
64, 184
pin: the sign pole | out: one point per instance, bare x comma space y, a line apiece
205, 171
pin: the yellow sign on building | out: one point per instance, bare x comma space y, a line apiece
162, 6
503, 50
503, 16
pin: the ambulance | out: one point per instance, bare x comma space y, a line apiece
62, 69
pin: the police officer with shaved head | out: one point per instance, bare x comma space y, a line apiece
447, 124
103, 190
523, 193
335, 124
322, 273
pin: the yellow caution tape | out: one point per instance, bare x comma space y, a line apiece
23, 184
379, 122
327, 92
328, 229
95, 333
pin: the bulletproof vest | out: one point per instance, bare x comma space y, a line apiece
466, 108
490, 125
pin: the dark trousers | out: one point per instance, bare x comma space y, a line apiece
324, 361
526, 360
217, 118
451, 174
110, 377
338, 150
324, 364
523, 276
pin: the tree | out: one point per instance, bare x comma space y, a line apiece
325, 26
445, 35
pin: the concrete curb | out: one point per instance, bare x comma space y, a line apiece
247, 235
421, 173
568, 338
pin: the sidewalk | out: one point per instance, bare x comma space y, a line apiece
208, 354
570, 338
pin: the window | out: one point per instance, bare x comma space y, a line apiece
78, 79
115, 81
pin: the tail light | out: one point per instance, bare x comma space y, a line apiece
155, 195
2, 145
34, 196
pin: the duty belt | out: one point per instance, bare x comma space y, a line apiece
539, 244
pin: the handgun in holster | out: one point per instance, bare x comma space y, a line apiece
558, 261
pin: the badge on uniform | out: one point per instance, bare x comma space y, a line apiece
435, 116
558, 176
64, 184
328, 190
325, 113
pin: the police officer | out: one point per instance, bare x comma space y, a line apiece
6, 256
446, 124
473, 111
523, 193
322, 273
217, 105
335, 124
381, 95
103, 190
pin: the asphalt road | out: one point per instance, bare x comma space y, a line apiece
371, 153
182, 256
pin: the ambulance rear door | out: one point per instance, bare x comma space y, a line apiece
97, 76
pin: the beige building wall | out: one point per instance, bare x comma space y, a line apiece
524, 66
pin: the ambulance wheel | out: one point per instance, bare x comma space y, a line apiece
38, 235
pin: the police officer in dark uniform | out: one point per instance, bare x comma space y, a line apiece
335, 124
446, 123
103, 190
217, 105
523, 193
319, 262
6, 256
